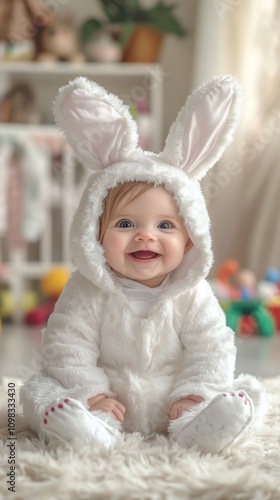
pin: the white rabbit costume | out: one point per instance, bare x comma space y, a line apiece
93, 344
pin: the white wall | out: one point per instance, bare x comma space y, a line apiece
177, 60
207, 54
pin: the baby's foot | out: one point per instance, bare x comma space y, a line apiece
219, 423
67, 419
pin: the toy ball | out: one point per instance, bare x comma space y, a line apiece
54, 281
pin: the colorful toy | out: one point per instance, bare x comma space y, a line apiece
224, 275
254, 309
52, 284
273, 306
19, 22
273, 275
244, 283
272, 281
236, 283
28, 301
245, 312
226, 270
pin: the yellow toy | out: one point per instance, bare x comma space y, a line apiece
53, 282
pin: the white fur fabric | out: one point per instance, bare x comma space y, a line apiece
137, 469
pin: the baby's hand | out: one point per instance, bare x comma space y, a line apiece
184, 404
110, 405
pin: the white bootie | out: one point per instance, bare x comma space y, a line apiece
68, 420
217, 425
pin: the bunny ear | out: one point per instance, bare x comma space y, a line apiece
97, 124
204, 126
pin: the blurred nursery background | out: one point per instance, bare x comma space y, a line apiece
152, 53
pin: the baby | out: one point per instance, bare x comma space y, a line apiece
137, 341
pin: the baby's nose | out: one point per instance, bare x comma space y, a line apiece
145, 235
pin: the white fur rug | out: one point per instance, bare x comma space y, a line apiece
135, 469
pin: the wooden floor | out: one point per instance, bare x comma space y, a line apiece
20, 353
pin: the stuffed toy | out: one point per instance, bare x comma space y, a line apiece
59, 42
122, 353
19, 23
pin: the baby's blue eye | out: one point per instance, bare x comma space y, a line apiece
125, 223
165, 225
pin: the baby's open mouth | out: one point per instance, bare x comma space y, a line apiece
144, 255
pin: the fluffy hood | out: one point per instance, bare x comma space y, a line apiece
104, 136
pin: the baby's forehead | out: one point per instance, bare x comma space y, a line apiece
154, 201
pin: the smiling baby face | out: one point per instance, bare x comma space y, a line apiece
145, 238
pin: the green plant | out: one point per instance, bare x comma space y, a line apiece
129, 13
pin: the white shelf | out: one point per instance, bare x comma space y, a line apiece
65, 68
30, 129
128, 80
